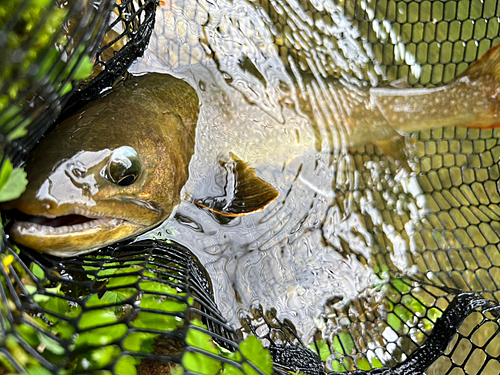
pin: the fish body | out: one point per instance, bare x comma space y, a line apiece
471, 100
384, 115
115, 169
112, 170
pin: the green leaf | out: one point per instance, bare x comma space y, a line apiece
12, 182
363, 364
160, 322
123, 280
343, 343
434, 314
38, 370
101, 336
156, 286
85, 68
324, 349
253, 350
103, 356
5, 172
428, 324
120, 295
12, 345
31, 289
199, 339
90, 268
37, 271
96, 318
29, 334
403, 313
376, 363
338, 366
198, 362
63, 329
402, 285
10, 116
140, 342
111, 297
177, 370
413, 304
394, 321
66, 88
20, 130
125, 366
51, 344
230, 370
56, 305
162, 303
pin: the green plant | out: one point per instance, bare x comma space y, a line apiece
12, 181
39, 25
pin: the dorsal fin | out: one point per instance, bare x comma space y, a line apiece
244, 192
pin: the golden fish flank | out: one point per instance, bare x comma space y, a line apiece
388, 113
470, 100
112, 170
115, 169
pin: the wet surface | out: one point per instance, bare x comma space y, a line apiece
360, 258
347, 218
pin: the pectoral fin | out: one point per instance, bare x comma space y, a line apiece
244, 191
394, 149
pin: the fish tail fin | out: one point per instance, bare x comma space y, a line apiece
489, 63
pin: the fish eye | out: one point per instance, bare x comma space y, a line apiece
124, 166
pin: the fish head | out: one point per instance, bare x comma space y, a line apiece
100, 177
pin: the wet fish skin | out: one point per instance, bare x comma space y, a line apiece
152, 114
470, 100
385, 115
156, 116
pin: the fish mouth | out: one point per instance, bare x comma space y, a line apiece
71, 234
61, 225
74, 232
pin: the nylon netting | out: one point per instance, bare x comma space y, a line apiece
148, 305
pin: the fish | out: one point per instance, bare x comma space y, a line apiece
115, 169
386, 116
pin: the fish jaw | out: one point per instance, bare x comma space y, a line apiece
69, 230
49, 222
72, 240
65, 214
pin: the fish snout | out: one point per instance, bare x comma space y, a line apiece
34, 206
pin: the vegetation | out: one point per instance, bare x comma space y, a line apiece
34, 54
12, 181
92, 332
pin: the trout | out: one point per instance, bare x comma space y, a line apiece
112, 170
115, 169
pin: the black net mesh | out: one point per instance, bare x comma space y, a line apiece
148, 306
131, 25
48, 46
105, 310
